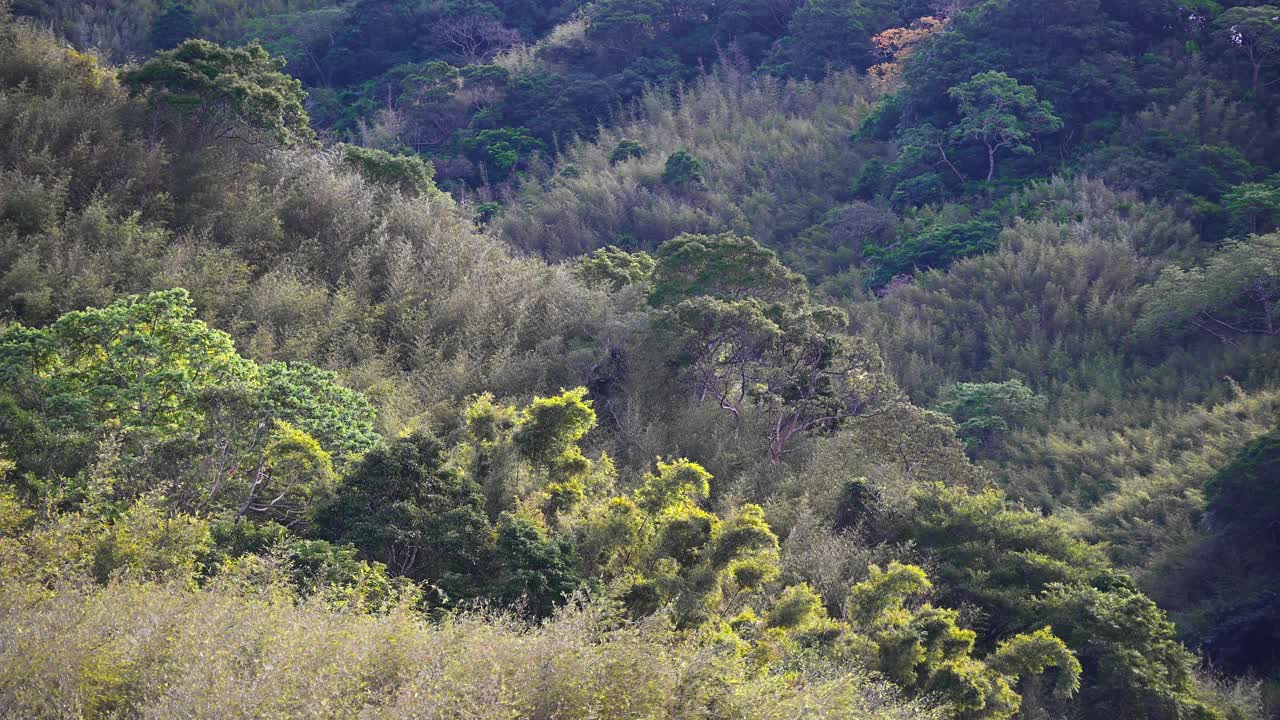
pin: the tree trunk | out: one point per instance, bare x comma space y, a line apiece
943, 151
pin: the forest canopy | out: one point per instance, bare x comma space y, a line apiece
639, 358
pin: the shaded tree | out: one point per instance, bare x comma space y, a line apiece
405, 507
533, 571
173, 26
1254, 32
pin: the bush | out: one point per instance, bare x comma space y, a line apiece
985, 411
683, 169
936, 247
408, 173
159, 651
626, 150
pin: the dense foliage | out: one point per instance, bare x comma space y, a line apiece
639, 358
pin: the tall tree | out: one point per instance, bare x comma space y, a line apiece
224, 93
726, 266
1255, 33
1237, 293
746, 336
1002, 114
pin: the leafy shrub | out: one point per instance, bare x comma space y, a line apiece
936, 247
683, 169
408, 173
985, 411
159, 650
626, 150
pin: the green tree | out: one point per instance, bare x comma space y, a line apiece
726, 266
683, 169
1254, 32
885, 591
1253, 207
1002, 114
626, 150
173, 26
615, 268
312, 399
407, 173
985, 411
1234, 294
142, 361
224, 93
165, 401
533, 570
500, 151
405, 507
935, 247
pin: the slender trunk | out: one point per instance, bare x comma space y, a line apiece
942, 150
259, 475
991, 163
